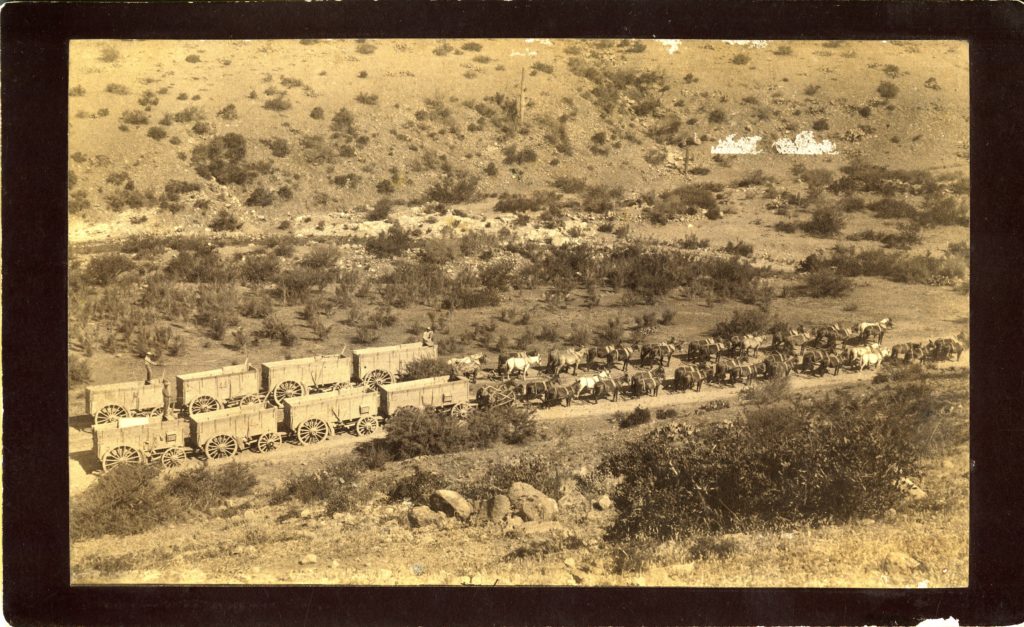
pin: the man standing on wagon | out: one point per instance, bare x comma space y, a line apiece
168, 398
428, 337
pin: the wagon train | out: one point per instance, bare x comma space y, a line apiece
212, 390
308, 375
223, 433
140, 441
439, 393
381, 365
316, 417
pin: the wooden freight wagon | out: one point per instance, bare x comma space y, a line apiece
380, 365
308, 375
140, 444
434, 393
113, 401
222, 433
211, 390
315, 417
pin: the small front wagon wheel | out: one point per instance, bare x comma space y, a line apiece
121, 456
110, 413
202, 405
220, 446
268, 442
173, 457
311, 431
460, 410
367, 425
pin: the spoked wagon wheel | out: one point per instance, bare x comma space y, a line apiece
288, 389
156, 412
376, 378
173, 457
220, 446
460, 410
268, 442
367, 425
110, 413
252, 399
311, 431
120, 456
203, 404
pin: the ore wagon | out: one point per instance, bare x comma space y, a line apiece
315, 417
140, 441
308, 375
380, 365
441, 393
223, 432
113, 401
211, 390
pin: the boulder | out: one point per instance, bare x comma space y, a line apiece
899, 563
498, 508
423, 516
531, 503
603, 503
450, 503
308, 558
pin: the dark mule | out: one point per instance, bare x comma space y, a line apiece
689, 377
558, 393
660, 353
648, 382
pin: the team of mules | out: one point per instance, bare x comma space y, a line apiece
719, 360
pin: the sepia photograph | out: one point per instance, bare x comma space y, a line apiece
519, 312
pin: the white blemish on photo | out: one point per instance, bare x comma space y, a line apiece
671, 45
804, 144
732, 146
749, 43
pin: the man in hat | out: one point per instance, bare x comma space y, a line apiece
428, 337
149, 363
168, 399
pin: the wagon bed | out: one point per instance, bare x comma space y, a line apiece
381, 365
308, 375
315, 417
156, 439
222, 433
112, 401
212, 390
433, 393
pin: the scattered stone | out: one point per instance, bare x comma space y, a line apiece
867, 521
603, 503
306, 513
451, 503
498, 508
890, 514
531, 503
308, 558
570, 562
423, 516
514, 523
899, 563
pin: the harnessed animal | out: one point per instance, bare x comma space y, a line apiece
648, 381
561, 359
589, 382
661, 352
521, 363
689, 376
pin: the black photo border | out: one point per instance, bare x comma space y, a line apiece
33, 62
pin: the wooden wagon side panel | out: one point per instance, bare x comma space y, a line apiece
390, 359
132, 395
426, 393
229, 382
241, 423
341, 405
149, 437
309, 371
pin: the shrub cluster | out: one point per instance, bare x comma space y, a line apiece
413, 432
825, 460
895, 266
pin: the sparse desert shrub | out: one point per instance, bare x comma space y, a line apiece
892, 208
135, 116
192, 58
225, 221
117, 88
896, 266
784, 50
366, 48
134, 489
717, 116
944, 211
279, 102
367, 99
810, 90
109, 54
888, 90
278, 146
740, 248
148, 99
454, 187
343, 123
317, 113
821, 124
514, 155
655, 156
156, 132
543, 67
201, 489
256, 306
825, 222
259, 268
443, 49
745, 321
826, 283
639, 416
189, 114
392, 243
223, 158
217, 309
471, 46
104, 269
229, 112
569, 184
416, 487
767, 392
740, 59
754, 177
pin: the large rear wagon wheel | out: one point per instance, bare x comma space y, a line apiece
220, 446
203, 404
288, 389
367, 425
251, 399
268, 442
110, 413
312, 431
121, 456
460, 410
173, 457
375, 378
